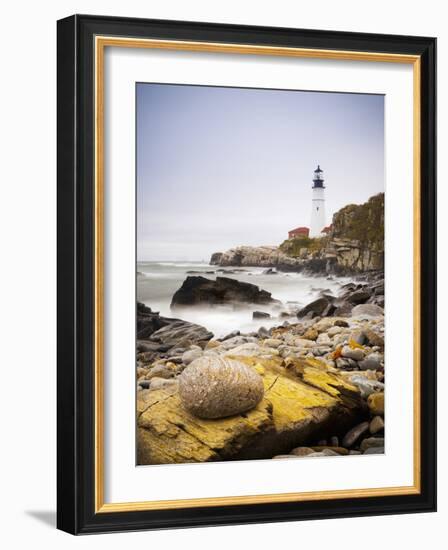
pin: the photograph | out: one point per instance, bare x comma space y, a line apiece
260, 295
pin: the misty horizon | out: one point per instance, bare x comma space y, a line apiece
223, 167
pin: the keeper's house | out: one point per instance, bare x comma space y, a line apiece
299, 232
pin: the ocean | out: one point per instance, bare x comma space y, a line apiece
158, 281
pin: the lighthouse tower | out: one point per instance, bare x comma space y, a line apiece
318, 204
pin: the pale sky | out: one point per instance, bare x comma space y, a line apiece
221, 167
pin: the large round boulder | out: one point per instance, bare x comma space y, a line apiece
216, 387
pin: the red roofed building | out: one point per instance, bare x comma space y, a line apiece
298, 232
327, 229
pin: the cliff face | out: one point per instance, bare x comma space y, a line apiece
357, 237
355, 244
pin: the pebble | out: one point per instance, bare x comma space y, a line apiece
161, 371
371, 442
332, 331
272, 342
354, 452
371, 362
374, 451
334, 441
263, 332
376, 425
374, 338
367, 310
358, 336
366, 387
353, 353
284, 456
301, 451
324, 452
311, 334
352, 436
323, 339
191, 355
338, 450
375, 402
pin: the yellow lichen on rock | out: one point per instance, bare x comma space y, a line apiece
295, 405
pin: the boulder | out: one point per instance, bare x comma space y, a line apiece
203, 291
367, 310
319, 307
216, 387
295, 408
260, 315
216, 258
148, 321
180, 333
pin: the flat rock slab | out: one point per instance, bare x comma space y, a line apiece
307, 403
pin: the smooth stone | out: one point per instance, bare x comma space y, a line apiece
161, 371
352, 436
342, 363
263, 332
323, 339
374, 451
334, 441
366, 387
338, 450
354, 452
374, 338
216, 387
301, 451
191, 355
283, 456
371, 442
353, 353
375, 402
376, 425
367, 310
311, 334
248, 349
358, 336
332, 331
373, 361
157, 383
325, 452
272, 342
260, 315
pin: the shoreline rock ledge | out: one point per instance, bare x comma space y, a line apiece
302, 402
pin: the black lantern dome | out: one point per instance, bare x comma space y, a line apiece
318, 178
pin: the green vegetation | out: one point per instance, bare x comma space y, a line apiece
362, 222
292, 247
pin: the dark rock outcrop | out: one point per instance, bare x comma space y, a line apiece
202, 291
157, 335
216, 258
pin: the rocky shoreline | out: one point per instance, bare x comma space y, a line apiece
313, 385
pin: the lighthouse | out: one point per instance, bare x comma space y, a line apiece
318, 220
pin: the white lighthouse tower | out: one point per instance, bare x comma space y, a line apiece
318, 204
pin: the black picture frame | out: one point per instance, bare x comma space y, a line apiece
76, 270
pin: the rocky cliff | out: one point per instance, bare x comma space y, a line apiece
355, 244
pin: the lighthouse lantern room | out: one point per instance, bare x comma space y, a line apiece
318, 218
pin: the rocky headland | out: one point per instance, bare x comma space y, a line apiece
354, 245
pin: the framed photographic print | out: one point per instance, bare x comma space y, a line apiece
246, 274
